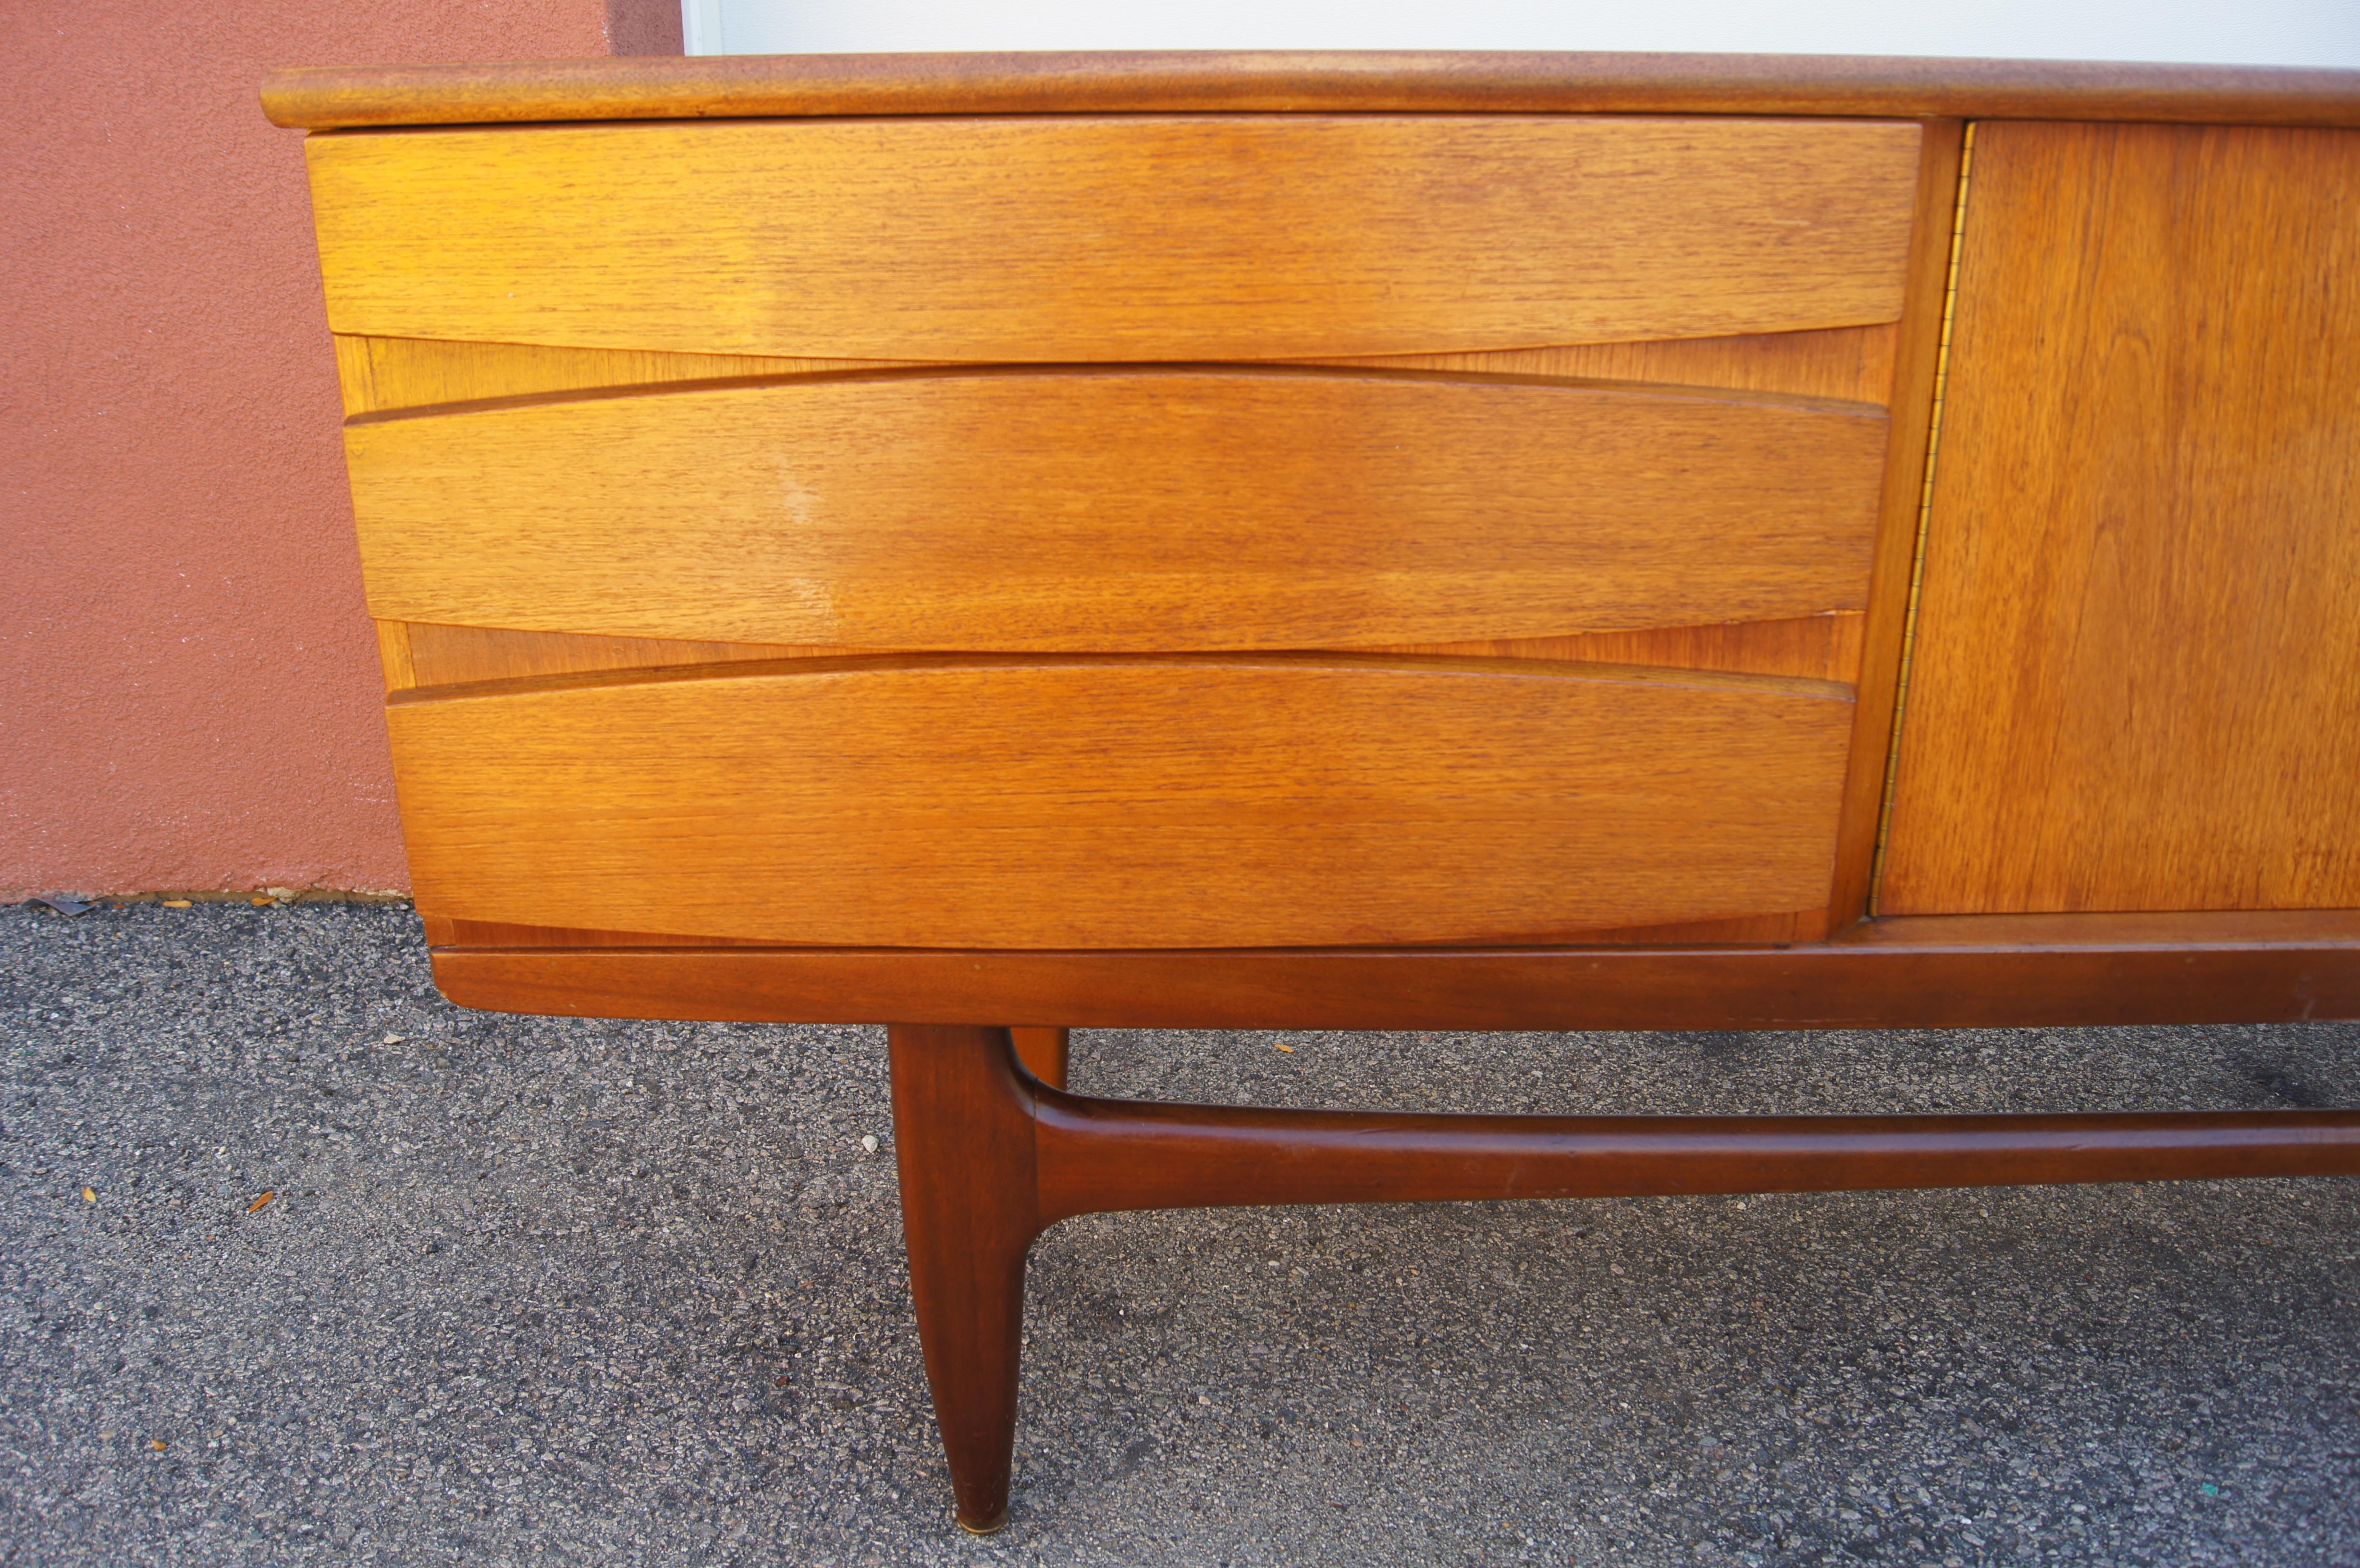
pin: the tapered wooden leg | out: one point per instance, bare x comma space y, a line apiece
963, 1135
1043, 1052
991, 1154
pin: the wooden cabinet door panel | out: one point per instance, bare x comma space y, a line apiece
2136, 672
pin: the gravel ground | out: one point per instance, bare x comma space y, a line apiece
541, 1290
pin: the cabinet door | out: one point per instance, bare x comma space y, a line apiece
2135, 680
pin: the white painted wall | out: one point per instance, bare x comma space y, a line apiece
2244, 32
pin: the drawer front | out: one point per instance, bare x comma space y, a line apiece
1132, 238
1125, 802
903, 533
1120, 511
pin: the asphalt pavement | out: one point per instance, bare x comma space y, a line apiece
531, 1290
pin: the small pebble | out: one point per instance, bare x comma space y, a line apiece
868, 1141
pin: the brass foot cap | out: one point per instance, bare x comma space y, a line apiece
992, 1525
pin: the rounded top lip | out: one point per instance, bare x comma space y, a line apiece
1298, 82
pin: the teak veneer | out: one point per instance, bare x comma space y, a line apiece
998, 544
1115, 237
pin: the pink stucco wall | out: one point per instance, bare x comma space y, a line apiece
189, 693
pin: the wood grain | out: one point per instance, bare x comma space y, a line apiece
989, 1160
1931, 972
379, 373
1119, 509
963, 1146
393, 655
1105, 1156
1819, 648
442, 930
1254, 237
1046, 1052
1148, 802
2138, 649
1852, 365
1843, 364
1900, 505
1304, 81
456, 656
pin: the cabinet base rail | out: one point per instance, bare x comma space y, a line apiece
990, 1156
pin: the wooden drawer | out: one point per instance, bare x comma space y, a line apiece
1129, 510
1489, 615
1126, 802
1136, 237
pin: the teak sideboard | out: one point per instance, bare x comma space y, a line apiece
994, 544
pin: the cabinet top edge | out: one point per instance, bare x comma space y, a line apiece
1284, 82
